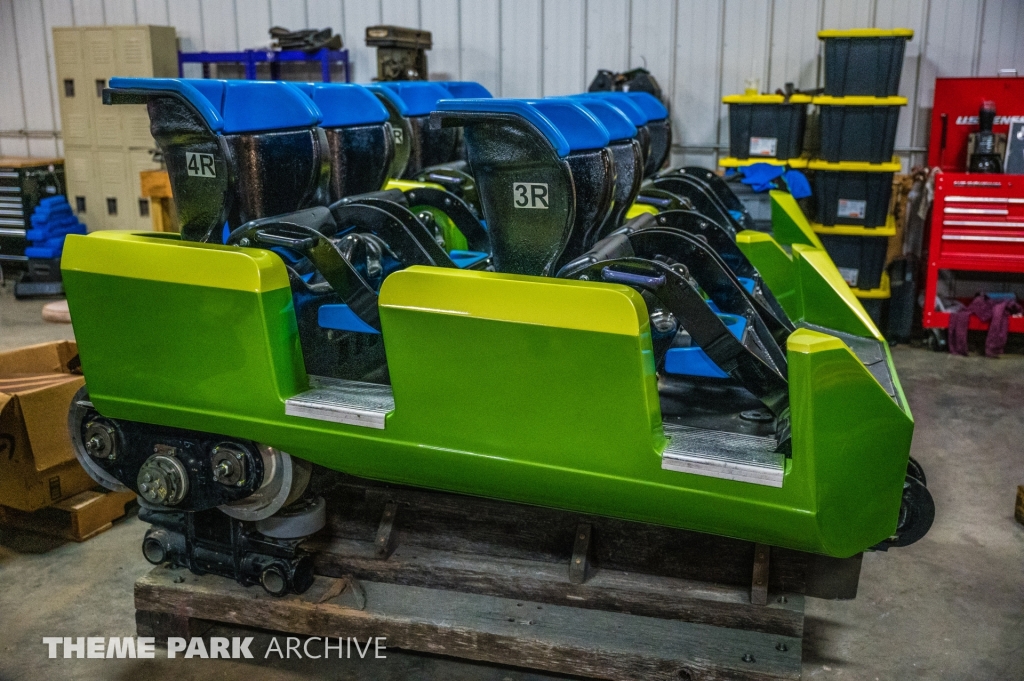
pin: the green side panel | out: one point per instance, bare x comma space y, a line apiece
827, 298
807, 285
533, 390
169, 324
789, 224
855, 438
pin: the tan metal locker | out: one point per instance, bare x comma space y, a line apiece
83, 186
115, 196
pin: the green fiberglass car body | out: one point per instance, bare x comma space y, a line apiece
530, 343
523, 388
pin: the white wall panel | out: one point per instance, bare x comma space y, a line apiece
566, 36
220, 30
35, 75
522, 48
187, 18
480, 38
400, 13
253, 23
12, 112
794, 52
652, 40
441, 18
697, 86
1002, 37
358, 15
698, 50
153, 12
119, 12
846, 14
607, 34
88, 12
290, 14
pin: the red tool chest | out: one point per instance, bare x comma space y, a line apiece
977, 224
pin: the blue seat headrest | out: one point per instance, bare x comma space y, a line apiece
466, 89
654, 109
235, 106
567, 126
617, 123
621, 102
420, 96
344, 104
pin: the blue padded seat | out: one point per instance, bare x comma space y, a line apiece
419, 96
569, 127
236, 106
466, 89
650, 105
622, 102
344, 104
617, 124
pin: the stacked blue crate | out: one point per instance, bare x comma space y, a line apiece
51, 222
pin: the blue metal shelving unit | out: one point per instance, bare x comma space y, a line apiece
250, 58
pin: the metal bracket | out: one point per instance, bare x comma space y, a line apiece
759, 584
384, 544
580, 549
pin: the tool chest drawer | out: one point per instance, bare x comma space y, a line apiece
979, 216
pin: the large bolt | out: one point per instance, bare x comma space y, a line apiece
100, 440
162, 480
229, 465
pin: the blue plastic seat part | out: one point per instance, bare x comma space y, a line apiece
617, 124
567, 126
622, 102
344, 104
420, 96
340, 317
465, 89
693, 361
464, 259
43, 253
236, 106
654, 109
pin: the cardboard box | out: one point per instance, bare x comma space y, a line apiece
37, 465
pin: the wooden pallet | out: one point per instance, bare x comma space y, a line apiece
77, 518
525, 586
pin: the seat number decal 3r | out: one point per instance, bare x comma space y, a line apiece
530, 195
200, 165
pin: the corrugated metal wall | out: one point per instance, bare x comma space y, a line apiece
697, 49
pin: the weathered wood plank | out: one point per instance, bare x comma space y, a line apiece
547, 582
553, 638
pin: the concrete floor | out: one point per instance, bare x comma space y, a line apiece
950, 607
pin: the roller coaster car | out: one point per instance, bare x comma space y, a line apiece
665, 372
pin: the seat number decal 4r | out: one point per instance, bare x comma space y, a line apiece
530, 195
200, 165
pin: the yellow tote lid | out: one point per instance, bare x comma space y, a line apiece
882, 292
907, 33
828, 100
886, 230
766, 99
733, 162
892, 166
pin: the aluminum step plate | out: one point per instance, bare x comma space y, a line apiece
339, 401
716, 454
